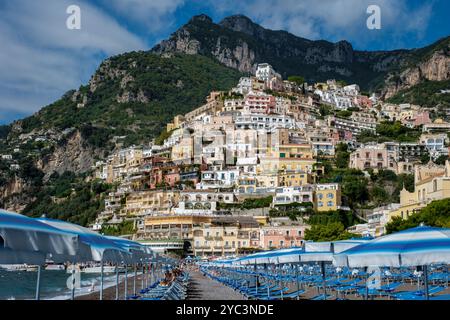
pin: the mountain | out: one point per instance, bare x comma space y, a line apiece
129, 100
239, 43
131, 97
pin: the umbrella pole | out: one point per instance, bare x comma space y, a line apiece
117, 281
298, 283
366, 296
126, 282
101, 279
322, 264
446, 274
73, 281
425, 274
38, 284
142, 278
256, 279
134, 279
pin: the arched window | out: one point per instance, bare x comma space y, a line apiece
198, 206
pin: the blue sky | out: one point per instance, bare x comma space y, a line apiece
41, 59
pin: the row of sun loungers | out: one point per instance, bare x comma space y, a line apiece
274, 285
175, 291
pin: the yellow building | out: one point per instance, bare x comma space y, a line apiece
327, 197
286, 151
171, 227
225, 236
269, 180
431, 182
291, 178
275, 165
183, 152
176, 124
143, 203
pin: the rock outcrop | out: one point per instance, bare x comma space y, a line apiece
239, 43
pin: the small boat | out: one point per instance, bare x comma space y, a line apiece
97, 269
31, 268
55, 267
94, 269
18, 267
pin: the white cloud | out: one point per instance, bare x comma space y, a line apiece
335, 19
41, 59
155, 15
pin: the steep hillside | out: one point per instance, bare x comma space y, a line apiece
130, 96
239, 43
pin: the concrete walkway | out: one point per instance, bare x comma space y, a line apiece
203, 288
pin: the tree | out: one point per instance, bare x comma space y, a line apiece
330, 232
441, 160
342, 156
436, 214
297, 80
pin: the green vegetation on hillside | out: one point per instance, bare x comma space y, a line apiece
69, 197
390, 131
328, 232
123, 228
426, 94
436, 214
172, 86
297, 80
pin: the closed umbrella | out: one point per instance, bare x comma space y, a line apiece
25, 240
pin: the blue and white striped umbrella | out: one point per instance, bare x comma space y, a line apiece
414, 247
92, 246
139, 251
313, 252
26, 240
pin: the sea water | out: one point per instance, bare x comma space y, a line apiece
21, 285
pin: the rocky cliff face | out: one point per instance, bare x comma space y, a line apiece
74, 155
239, 43
433, 68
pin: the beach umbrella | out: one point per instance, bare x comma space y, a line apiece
25, 240
22, 234
420, 246
138, 251
92, 247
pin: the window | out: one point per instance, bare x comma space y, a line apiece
320, 196
320, 204
270, 243
330, 196
281, 243
330, 203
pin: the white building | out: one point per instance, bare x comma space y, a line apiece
215, 179
289, 195
244, 86
265, 72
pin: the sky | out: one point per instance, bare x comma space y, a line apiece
41, 59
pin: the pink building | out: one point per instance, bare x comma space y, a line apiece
364, 102
260, 103
278, 237
375, 157
418, 120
